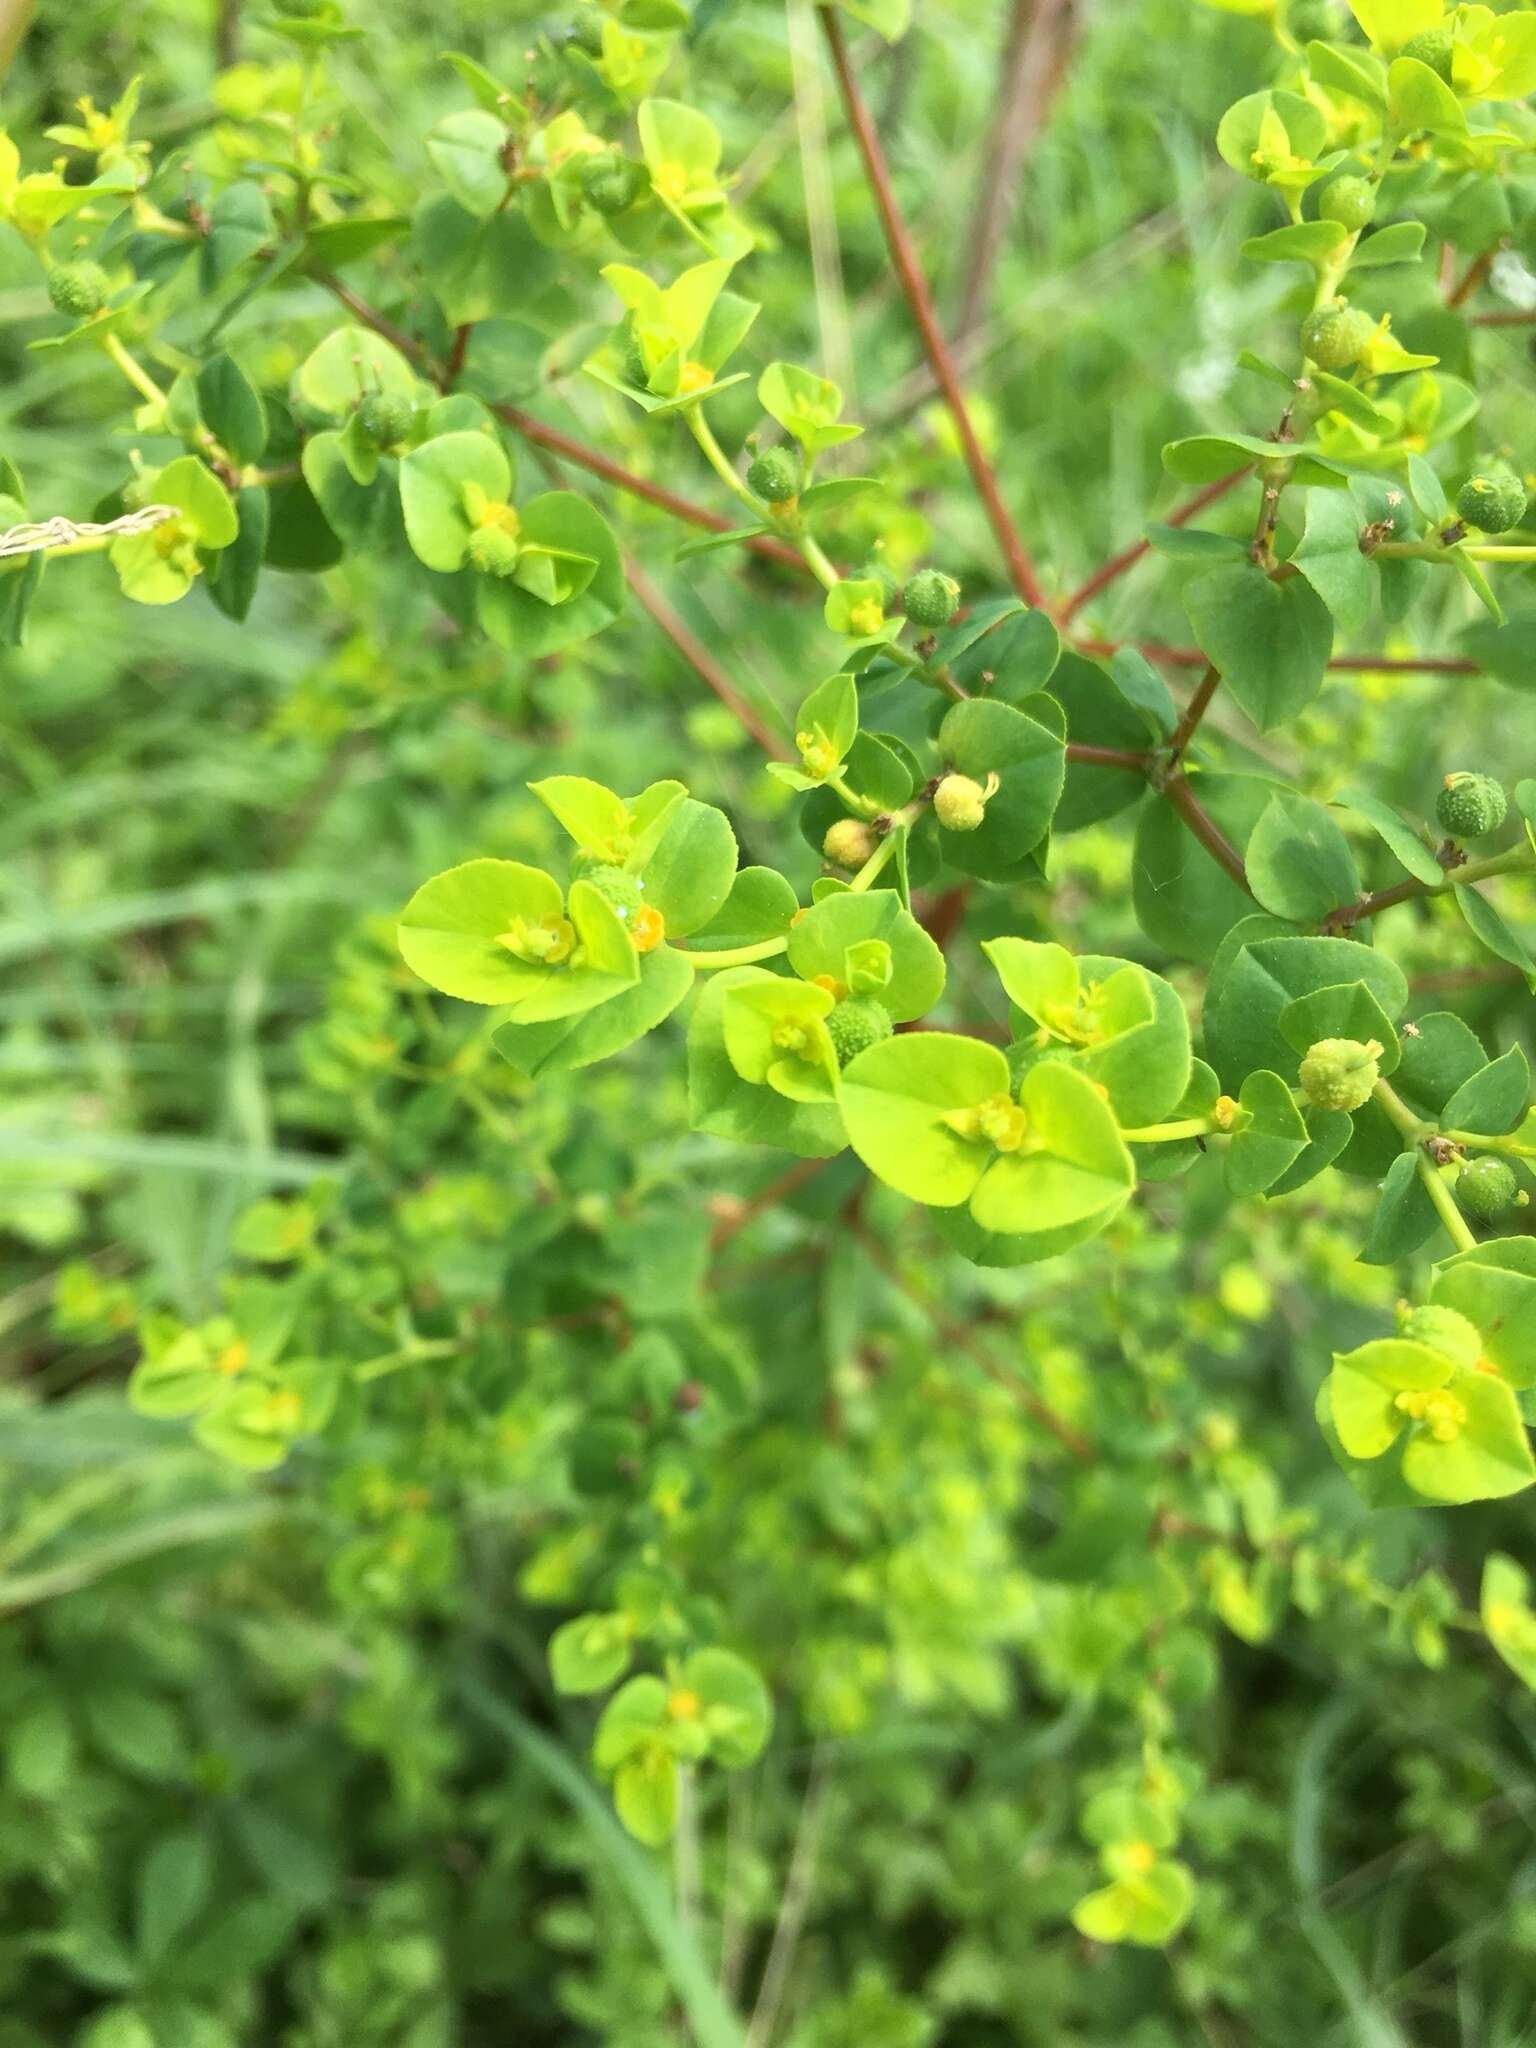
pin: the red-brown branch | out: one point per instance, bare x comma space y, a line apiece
920, 299
701, 661
1129, 557
1205, 828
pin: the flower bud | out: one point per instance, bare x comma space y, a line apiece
1486, 1187
493, 551
775, 476
1350, 201
1445, 1330
78, 289
1471, 805
849, 843
855, 1024
1335, 336
931, 598
960, 804
1339, 1073
385, 417
1493, 501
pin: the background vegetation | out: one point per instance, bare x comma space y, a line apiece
280, 1761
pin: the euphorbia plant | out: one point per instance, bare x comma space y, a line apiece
950, 736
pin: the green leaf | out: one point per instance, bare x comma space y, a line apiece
806, 406
570, 1042
1488, 1458
349, 364
175, 1883
590, 1653
1262, 123
1100, 714
1072, 1166
468, 150
723, 1104
1391, 23
515, 618
1185, 900
232, 408
1255, 980
1491, 931
689, 874
979, 739
1492, 1100
1494, 1286
1349, 1010
1507, 1614
820, 942
1271, 641
434, 481
776, 1037
1329, 556
896, 1099
1358, 73
1401, 242
1365, 1383
1303, 241
452, 929
1202, 458
1395, 833
1268, 1138
760, 905
645, 1794
1419, 99
1404, 1218
734, 1706
1298, 861
1148, 1907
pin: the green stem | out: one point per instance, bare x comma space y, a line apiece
1483, 1141
736, 956
1456, 1226
866, 807
720, 462
1170, 1133
133, 370
411, 1354
1410, 1127
88, 544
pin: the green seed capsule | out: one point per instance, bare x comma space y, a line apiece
1432, 46
1339, 1073
775, 476
1335, 336
385, 417
493, 551
1445, 1330
931, 598
610, 183
1469, 806
855, 1024
78, 289
1486, 1187
1349, 201
849, 843
1492, 501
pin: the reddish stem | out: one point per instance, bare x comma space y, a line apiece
1129, 557
920, 300
701, 661
1205, 828
1391, 664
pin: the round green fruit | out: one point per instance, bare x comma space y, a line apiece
1445, 1330
1469, 806
1486, 1187
617, 886
1339, 1073
385, 417
1335, 336
1349, 201
78, 289
960, 804
1432, 46
855, 1024
1492, 501
931, 598
611, 183
493, 551
775, 476
849, 843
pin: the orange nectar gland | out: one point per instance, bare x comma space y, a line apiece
684, 1705
1224, 1114
233, 1358
647, 928
1139, 1856
548, 943
836, 989
1440, 1412
695, 376
999, 1122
